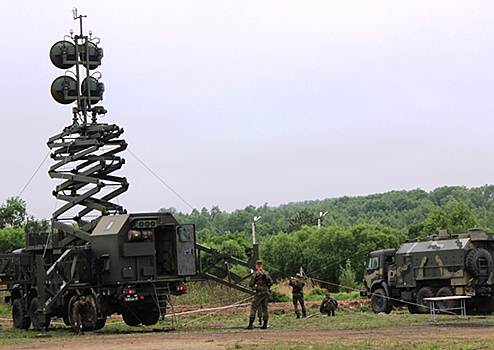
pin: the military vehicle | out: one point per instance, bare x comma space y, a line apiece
439, 265
125, 263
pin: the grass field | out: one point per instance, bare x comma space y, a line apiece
223, 329
350, 329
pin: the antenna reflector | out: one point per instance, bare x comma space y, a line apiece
62, 54
95, 88
64, 90
95, 54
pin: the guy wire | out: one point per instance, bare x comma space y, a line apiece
32, 177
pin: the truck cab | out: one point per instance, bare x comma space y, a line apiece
377, 266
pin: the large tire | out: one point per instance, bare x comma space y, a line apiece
20, 315
99, 321
413, 308
485, 306
479, 262
380, 302
150, 317
70, 311
34, 315
444, 305
130, 318
424, 292
86, 326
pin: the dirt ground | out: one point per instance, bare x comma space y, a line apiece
275, 337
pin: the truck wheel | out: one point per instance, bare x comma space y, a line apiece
150, 317
380, 302
70, 311
99, 321
34, 314
443, 305
479, 262
130, 318
20, 317
413, 309
485, 306
424, 292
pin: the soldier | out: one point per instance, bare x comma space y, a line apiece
81, 313
261, 282
298, 294
328, 305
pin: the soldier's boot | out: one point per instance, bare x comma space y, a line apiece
260, 321
251, 323
304, 313
297, 313
265, 324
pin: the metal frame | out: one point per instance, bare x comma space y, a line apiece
463, 310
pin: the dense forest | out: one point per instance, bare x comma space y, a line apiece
404, 211
290, 236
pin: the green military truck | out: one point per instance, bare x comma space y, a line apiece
124, 263
439, 265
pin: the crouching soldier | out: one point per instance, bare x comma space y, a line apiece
328, 305
298, 294
82, 312
260, 282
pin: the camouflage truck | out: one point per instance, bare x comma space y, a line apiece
438, 265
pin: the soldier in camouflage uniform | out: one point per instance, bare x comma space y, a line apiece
298, 294
82, 313
260, 282
328, 305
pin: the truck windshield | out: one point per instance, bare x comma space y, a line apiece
373, 262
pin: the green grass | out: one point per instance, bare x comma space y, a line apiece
337, 296
208, 294
346, 319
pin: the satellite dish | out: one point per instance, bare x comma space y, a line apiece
64, 90
94, 87
95, 54
60, 50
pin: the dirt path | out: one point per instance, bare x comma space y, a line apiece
273, 337
316, 333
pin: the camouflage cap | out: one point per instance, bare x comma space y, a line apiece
298, 275
82, 297
258, 262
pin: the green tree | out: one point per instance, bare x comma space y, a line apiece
13, 213
11, 238
461, 218
437, 219
303, 218
347, 278
458, 219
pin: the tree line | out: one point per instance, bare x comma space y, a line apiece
289, 236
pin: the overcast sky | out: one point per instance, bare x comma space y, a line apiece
237, 103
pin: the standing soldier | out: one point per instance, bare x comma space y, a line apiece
82, 313
328, 305
298, 294
261, 282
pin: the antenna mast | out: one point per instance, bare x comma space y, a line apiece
86, 151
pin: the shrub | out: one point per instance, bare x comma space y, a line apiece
316, 291
278, 297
